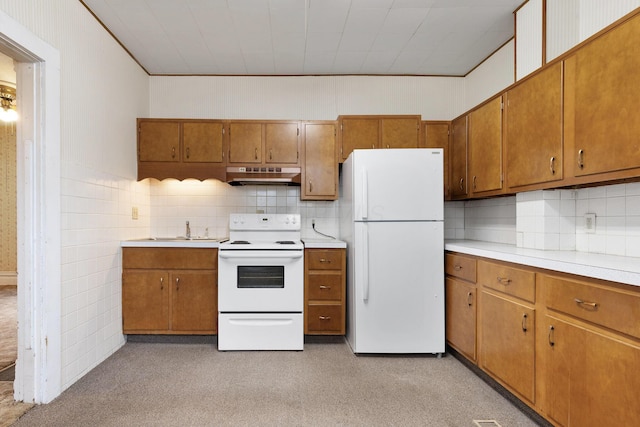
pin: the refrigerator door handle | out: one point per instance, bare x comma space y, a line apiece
365, 263
365, 194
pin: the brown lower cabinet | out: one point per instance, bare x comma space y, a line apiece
567, 346
324, 291
169, 291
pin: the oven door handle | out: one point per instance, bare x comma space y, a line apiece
249, 254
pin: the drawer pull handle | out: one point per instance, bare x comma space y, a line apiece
457, 267
162, 283
581, 159
469, 299
551, 165
324, 317
524, 322
325, 287
551, 336
173, 152
325, 260
188, 153
461, 184
177, 283
255, 153
504, 280
591, 306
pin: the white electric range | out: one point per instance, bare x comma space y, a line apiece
261, 284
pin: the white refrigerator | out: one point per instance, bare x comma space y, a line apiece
391, 216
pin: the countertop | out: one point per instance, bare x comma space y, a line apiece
314, 243
161, 242
606, 267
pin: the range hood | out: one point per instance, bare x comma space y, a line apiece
263, 175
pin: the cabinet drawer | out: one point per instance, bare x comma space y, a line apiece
324, 319
170, 258
325, 286
608, 307
512, 281
461, 266
324, 259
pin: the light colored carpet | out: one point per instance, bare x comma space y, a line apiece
8, 326
167, 384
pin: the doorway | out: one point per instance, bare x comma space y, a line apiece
38, 365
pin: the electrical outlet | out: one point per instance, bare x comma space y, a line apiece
590, 223
134, 212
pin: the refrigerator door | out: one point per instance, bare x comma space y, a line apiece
397, 185
396, 295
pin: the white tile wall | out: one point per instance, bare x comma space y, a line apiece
554, 220
207, 205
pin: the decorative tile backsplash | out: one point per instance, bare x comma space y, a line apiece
554, 219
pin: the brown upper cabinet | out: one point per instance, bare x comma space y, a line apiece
366, 132
458, 158
436, 135
601, 107
177, 148
259, 142
485, 147
533, 130
320, 171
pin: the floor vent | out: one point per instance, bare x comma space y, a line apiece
486, 423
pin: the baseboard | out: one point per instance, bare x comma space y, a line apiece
8, 278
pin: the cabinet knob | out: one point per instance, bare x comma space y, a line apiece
457, 267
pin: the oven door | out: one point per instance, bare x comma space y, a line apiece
260, 280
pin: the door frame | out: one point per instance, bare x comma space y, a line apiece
39, 362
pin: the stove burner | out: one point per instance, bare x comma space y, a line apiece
286, 242
240, 242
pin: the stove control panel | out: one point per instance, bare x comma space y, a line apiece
264, 222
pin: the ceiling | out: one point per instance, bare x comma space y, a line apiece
308, 37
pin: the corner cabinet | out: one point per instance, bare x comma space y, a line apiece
320, 165
180, 149
458, 158
169, 291
325, 291
371, 132
436, 135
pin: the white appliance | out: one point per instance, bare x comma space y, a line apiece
391, 216
261, 284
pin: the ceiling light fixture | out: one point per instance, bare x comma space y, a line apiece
8, 102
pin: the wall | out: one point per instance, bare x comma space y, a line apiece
103, 90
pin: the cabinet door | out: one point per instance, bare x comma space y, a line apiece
358, 133
193, 301
485, 147
245, 142
281, 143
534, 129
400, 132
158, 141
591, 379
320, 172
460, 300
202, 142
145, 300
602, 104
436, 135
508, 342
459, 158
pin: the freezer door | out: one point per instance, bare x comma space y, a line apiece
398, 185
398, 288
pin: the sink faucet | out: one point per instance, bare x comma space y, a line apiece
188, 234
